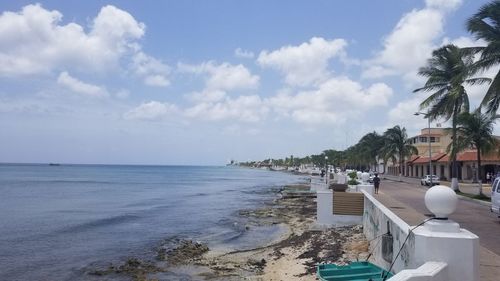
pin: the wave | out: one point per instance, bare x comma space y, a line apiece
114, 220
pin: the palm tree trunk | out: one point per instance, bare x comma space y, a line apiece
479, 172
454, 170
400, 166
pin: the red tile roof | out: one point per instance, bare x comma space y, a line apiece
444, 159
436, 157
413, 158
471, 155
421, 160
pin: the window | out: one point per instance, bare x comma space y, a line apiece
423, 139
434, 139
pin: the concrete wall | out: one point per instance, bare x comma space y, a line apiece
439, 241
376, 219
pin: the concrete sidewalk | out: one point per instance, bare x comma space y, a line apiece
489, 261
469, 188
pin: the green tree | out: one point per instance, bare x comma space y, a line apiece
447, 71
476, 130
371, 146
485, 25
397, 145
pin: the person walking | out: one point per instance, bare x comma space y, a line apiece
376, 183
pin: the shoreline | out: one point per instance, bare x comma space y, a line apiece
291, 256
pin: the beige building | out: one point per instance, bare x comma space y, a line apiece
439, 139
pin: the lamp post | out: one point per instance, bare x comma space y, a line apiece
426, 115
326, 169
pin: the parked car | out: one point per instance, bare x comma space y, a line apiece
495, 197
426, 180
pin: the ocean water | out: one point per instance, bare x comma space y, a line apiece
58, 221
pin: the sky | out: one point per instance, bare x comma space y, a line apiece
203, 82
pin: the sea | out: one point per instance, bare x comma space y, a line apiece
57, 222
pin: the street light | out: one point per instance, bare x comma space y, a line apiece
426, 115
326, 169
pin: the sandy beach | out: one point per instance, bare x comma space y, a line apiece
295, 255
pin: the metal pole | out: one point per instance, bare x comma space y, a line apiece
326, 170
430, 153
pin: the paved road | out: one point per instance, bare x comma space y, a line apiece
473, 216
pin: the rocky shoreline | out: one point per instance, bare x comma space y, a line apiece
293, 257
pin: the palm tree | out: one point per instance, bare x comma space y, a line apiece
398, 146
485, 25
371, 145
447, 71
476, 130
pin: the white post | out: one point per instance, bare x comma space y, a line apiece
443, 240
324, 207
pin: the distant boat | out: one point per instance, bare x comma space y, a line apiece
54, 164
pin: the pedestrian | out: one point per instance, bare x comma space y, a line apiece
376, 183
488, 177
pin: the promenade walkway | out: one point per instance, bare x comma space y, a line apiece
406, 199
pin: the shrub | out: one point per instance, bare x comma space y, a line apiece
352, 182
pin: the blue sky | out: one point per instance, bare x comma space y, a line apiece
201, 82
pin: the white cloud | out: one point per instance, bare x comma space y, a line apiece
153, 71
224, 76
33, 41
443, 4
156, 80
80, 87
237, 130
411, 42
152, 110
116, 26
213, 103
240, 53
464, 41
242, 108
305, 64
403, 114
206, 96
334, 101
122, 94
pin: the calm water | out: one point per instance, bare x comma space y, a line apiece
57, 220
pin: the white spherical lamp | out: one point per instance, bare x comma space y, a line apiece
441, 201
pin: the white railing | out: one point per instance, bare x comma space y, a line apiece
435, 251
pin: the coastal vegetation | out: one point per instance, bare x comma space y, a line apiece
371, 149
476, 129
447, 71
485, 26
397, 146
